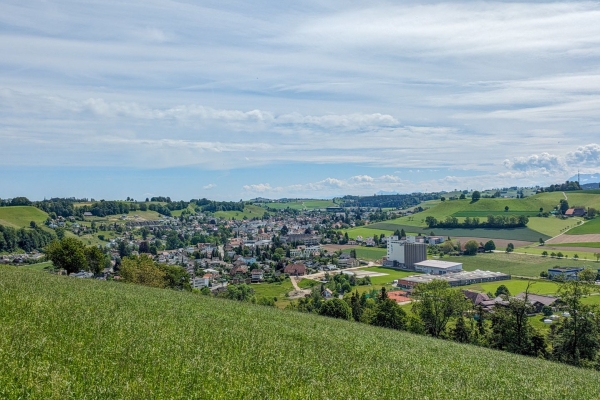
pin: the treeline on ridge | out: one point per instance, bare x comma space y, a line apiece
493, 221
12, 239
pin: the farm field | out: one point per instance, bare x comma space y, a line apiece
43, 266
509, 263
589, 227
593, 245
366, 232
272, 289
21, 216
168, 344
583, 253
301, 204
516, 286
484, 214
249, 212
523, 234
368, 253
551, 226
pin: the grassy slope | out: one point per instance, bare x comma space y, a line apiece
368, 253
513, 264
120, 341
525, 234
302, 204
551, 226
21, 216
592, 226
249, 212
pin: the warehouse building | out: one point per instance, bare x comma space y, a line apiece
437, 267
404, 253
455, 279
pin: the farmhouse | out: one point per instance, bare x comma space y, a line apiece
575, 212
437, 267
456, 279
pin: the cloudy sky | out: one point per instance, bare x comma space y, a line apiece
235, 99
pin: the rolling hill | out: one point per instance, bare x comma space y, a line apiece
68, 338
21, 216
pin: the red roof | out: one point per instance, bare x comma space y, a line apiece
398, 296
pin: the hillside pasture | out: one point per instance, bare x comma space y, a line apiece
368, 253
178, 345
484, 214
367, 231
551, 226
21, 216
249, 212
524, 234
509, 263
587, 228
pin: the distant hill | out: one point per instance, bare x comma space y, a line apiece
587, 181
21, 216
71, 338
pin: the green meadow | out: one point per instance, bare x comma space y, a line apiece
588, 227
71, 338
249, 212
21, 216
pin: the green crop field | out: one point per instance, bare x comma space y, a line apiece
551, 226
516, 286
21, 216
524, 234
272, 289
584, 255
301, 204
484, 214
510, 263
249, 212
594, 245
366, 231
368, 253
140, 342
588, 227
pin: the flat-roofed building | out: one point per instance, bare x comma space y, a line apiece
437, 267
404, 253
455, 279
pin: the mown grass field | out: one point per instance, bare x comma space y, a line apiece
484, 214
516, 286
21, 216
551, 226
366, 232
583, 256
524, 234
368, 253
513, 264
592, 226
249, 212
301, 204
131, 342
594, 245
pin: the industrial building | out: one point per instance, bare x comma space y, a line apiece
404, 253
437, 267
455, 279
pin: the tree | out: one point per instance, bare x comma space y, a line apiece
142, 270
502, 290
32, 224
544, 253
475, 196
541, 241
597, 255
95, 259
461, 333
505, 208
511, 330
388, 314
510, 247
67, 254
489, 246
559, 254
576, 339
462, 196
437, 303
563, 205
471, 247
588, 275
336, 308
442, 198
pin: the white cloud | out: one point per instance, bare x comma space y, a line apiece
259, 188
588, 155
209, 186
543, 161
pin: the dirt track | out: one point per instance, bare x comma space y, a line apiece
592, 237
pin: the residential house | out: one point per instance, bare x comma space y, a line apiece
295, 269
257, 275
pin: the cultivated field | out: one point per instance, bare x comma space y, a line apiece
249, 212
140, 342
301, 204
21, 216
588, 228
588, 238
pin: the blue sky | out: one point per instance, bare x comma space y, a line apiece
230, 99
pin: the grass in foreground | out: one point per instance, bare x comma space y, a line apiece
70, 338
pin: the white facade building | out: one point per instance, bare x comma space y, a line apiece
437, 267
